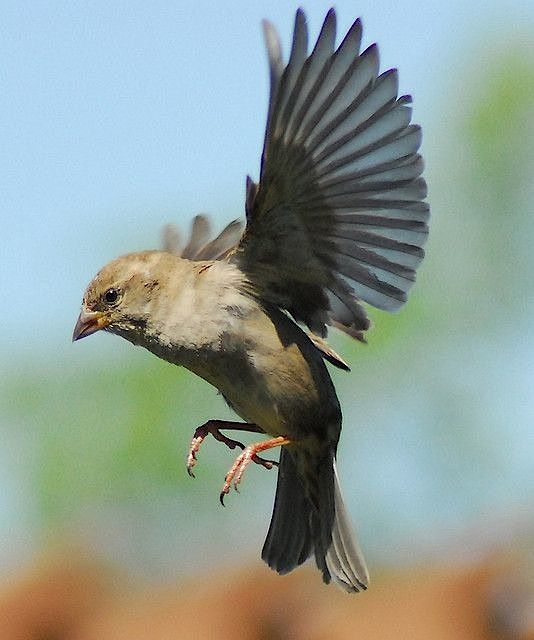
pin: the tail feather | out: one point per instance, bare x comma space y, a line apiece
309, 517
344, 558
288, 543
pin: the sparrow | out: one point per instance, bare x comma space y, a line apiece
337, 219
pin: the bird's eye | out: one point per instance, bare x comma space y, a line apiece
111, 296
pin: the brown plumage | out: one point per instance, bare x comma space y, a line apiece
337, 218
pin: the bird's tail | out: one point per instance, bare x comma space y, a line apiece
309, 517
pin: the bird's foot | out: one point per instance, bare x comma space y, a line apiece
248, 455
214, 427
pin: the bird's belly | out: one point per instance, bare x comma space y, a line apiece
280, 392
253, 410
256, 402
268, 371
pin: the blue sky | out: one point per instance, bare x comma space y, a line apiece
118, 117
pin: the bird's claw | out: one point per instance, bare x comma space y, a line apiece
192, 455
198, 438
211, 427
234, 476
268, 464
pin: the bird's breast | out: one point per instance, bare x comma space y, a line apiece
271, 375
264, 365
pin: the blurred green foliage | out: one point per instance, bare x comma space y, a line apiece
499, 129
499, 124
108, 433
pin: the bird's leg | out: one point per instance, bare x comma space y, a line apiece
242, 461
213, 427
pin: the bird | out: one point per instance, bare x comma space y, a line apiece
336, 223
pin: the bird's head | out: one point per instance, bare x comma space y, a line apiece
119, 298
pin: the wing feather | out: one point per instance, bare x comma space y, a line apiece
338, 215
199, 246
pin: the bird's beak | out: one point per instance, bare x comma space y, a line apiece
88, 322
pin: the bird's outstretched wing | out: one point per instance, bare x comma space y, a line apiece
338, 214
200, 245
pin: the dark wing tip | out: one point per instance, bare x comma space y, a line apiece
330, 15
300, 23
372, 50
406, 99
356, 27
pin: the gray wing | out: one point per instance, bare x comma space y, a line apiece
200, 245
338, 215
